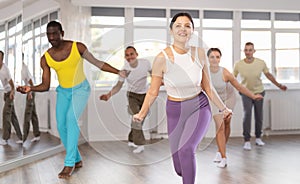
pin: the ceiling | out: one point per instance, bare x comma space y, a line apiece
5, 3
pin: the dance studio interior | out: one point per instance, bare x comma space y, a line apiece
106, 28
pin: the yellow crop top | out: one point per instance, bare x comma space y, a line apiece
69, 71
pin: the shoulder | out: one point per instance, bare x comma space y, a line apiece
81, 47
227, 75
258, 60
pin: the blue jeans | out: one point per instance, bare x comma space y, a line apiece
70, 104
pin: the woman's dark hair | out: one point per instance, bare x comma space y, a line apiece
181, 14
213, 49
55, 24
1, 52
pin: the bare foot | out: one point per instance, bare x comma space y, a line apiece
66, 172
78, 164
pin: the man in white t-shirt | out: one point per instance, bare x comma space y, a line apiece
9, 115
139, 70
30, 110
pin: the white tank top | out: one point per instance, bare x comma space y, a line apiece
224, 89
182, 78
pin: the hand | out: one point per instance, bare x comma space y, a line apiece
258, 97
104, 97
11, 95
124, 73
227, 113
29, 96
23, 89
137, 118
283, 87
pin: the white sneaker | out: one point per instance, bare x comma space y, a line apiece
139, 149
131, 144
36, 139
3, 142
223, 163
218, 157
259, 142
247, 146
19, 141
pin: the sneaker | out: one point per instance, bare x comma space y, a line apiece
259, 142
36, 139
223, 163
19, 141
247, 146
139, 149
218, 157
3, 142
131, 144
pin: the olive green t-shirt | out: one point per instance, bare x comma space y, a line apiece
250, 74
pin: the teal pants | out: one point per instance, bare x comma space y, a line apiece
70, 104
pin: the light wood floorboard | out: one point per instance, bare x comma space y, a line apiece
278, 162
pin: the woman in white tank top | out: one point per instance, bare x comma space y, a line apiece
186, 77
224, 83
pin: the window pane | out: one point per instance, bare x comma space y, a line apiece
224, 23
287, 69
106, 20
287, 24
149, 42
287, 41
255, 24
287, 57
105, 49
149, 21
221, 39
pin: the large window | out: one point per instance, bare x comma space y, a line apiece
276, 37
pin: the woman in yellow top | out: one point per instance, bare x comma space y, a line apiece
66, 58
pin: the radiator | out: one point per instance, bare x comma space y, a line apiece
285, 114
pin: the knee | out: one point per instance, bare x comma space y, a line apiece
186, 152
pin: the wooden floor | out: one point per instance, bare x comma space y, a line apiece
13, 150
278, 162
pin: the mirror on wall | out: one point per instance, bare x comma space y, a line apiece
23, 40
11, 46
35, 43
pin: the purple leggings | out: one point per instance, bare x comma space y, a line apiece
188, 121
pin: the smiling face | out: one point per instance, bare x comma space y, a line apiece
131, 55
214, 58
182, 29
249, 51
54, 35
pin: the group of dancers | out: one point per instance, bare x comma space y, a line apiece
191, 83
